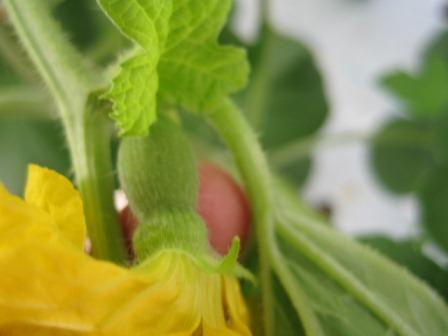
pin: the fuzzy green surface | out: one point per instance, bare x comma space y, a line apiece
178, 58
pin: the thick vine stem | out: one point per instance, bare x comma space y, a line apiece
252, 164
70, 83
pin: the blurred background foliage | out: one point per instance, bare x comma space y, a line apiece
286, 103
410, 153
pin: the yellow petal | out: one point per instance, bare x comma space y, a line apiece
48, 287
54, 194
236, 307
230, 316
16, 216
164, 307
51, 288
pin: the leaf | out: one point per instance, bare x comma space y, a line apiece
336, 312
403, 154
433, 200
25, 141
296, 170
178, 59
409, 253
424, 94
292, 104
287, 323
419, 164
438, 46
352, 289
285, 101
441, 138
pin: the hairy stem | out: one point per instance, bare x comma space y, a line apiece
254, 169
70, 83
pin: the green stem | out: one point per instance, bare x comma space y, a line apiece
303, 148
94, 170
264, 12
70, 83
24, 100
254, 169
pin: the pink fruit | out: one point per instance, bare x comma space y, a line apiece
223, 205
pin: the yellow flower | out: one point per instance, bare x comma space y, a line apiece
48, 286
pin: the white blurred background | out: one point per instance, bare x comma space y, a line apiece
355, 42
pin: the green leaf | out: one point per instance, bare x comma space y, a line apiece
403, 154
177, 59
290, 102
433, 200
287, 323
438, 46
348, 288
285, 101
424, 94
418, 161
409, 253
335, 310
296, 170
25, 141
441, 139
